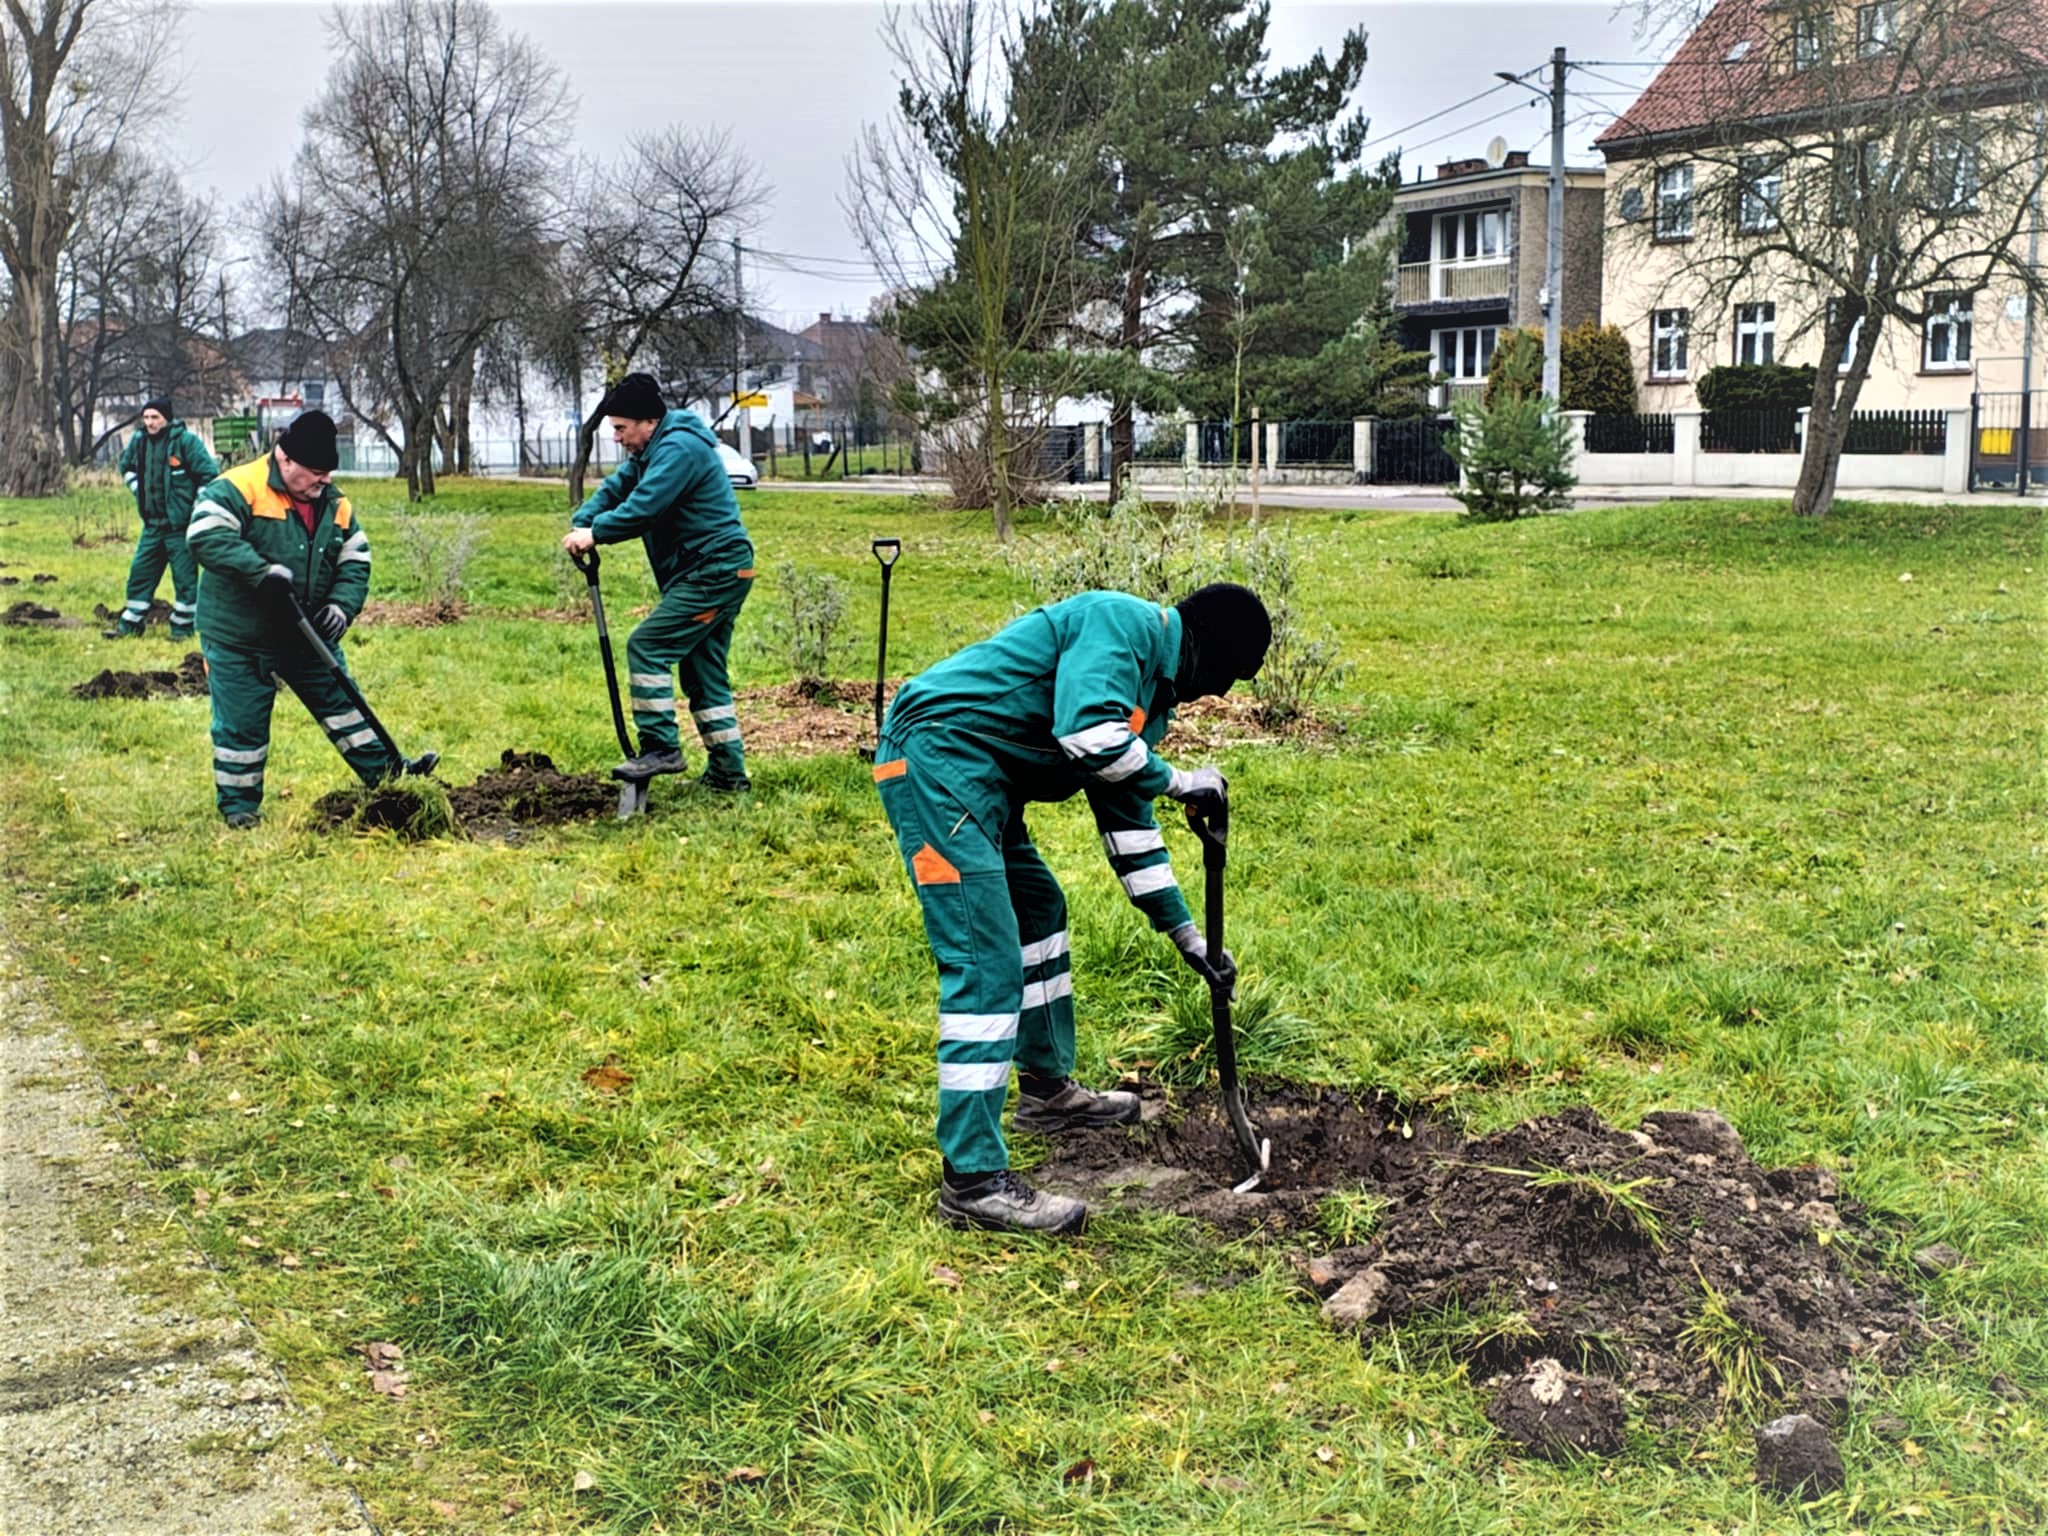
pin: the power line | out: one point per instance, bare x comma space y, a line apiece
1455, 132
1420, 121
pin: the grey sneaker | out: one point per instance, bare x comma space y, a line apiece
1074, 1108
1005, 1203
648, 764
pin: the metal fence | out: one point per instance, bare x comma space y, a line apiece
1412, 452
2008, 441
1629, 432
1223, 443
1897, 432
1750, 432
1322, 444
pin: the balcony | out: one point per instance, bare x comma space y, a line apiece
1428, 282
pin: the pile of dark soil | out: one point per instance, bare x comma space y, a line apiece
527, 790
413, 808
189, 681
159, 613
1613, 1252
41, 579
35, 616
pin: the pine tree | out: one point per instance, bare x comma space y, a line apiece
1515, 448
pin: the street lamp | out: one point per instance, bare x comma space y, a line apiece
1553, 264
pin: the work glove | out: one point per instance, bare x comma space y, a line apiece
276, 584
1220, 973
1201, 789
330, 623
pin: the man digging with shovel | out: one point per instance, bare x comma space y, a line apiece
674, 495
1073, 696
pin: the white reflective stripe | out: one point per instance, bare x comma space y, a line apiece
659, 680
658, 708
237, 755
973, 1076
719, 712
713, 738
141, 607
977, 1026
361, 739
1097, 738
1143, 882
1050, 948
181, 607
1150, 840
356, 540
132, 481
355, 556
1126, 765
1038, 993
210, 520
242, 780
342, 722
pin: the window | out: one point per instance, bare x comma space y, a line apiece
1480, 236
1756, 333
1877, 28
1465, 355
314, 391
1948, 333
1763, 186
1674, 203
1862, 176
1669, 329
1955, 176
1809, 43
1855, 335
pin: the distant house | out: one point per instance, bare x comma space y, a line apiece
282, 373
1474, 244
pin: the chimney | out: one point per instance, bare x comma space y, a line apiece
1454, 168
1517, 159
824, 317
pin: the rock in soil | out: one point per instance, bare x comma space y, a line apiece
189, 681
1795, 1457
36, 616
1558, 1413
1574, 1240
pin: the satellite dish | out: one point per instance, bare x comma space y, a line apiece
1497, 152
1631, 204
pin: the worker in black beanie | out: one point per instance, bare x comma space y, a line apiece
164, 464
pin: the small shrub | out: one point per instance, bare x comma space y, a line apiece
1150, 550
1515, 450
1302, 664
805, 626
437, 548
1756, 387
1598, 372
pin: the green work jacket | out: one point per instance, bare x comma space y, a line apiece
245, 523
180, 465
675, 497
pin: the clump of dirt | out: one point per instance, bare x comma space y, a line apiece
415, 809
385, 614
36, 616
1619, 1253
159, 613
42, 578
526, 789
189, 681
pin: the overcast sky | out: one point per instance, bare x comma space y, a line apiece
794, 82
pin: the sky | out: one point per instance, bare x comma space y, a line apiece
794, 81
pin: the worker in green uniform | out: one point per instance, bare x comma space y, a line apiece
164, 464
1073, 696
674, 495
266, 532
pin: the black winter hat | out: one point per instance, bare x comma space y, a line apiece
309, 441
160, 404
1223, 638
636, 397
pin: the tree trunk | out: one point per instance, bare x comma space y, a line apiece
586, 447
1123, 431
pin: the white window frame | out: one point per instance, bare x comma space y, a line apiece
1673, 219
1471, 346
1877, 28
1809, 43
1756, 333
1670, 343
1955, 175
1954, 326
1462, 238
1855, 337
1758, 210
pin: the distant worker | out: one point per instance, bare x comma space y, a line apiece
164, 464
1073, 696
267, 532
674, 495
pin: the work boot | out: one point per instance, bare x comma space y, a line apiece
1073, 1108
242, 821
648, 764
121, 630
1002, 1202
724, 786
418, 767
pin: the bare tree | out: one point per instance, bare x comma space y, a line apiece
1880, 162
970, 213
77, 73
413, 225
648, 255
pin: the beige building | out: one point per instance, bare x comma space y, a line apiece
1724, 159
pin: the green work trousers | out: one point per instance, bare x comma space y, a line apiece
690, 631
996, 921
161, 545
243, 683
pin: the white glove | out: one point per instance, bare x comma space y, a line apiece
1194, 949
1204, 789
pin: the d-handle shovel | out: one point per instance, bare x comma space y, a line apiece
894, 551
632, 792
424, 763
1258, 1150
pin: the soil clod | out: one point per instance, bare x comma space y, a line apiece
159, 612
36, 616
1796, 1457
526, 789
189, 681
1557, 1413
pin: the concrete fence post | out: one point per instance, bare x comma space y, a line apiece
1361, 448
1956, 455
1578, 420
1273, 445
1192, 455
1685, 447
1091, 451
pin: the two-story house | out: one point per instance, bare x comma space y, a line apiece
1473, 248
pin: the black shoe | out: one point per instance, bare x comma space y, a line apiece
1074, 1108
242, 821
648, 764
121, 631
419, 767
1005, 1203
725, 786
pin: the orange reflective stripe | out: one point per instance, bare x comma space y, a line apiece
1137, 719
707, 615
745, 575
930, 867
894, 770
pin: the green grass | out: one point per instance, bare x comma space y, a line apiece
1672, 807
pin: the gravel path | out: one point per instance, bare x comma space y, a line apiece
123, 1411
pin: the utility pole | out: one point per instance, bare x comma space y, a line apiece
1553, 241
744, 428
2024, 470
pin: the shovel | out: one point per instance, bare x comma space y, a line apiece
632, 792
424, 763
888, 564
1257, 1150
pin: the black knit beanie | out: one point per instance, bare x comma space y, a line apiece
309, 441
159, 403
636, 397
1224, 632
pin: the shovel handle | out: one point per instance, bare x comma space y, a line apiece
895, 548
585, 561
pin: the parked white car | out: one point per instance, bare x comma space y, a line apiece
745, 476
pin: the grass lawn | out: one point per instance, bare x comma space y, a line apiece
1692, 806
